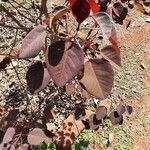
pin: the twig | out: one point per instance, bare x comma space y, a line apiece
4, 54
21, 14
15, 143
23, 8
14, 42
43, 8
13, 27
34, 8
13, 18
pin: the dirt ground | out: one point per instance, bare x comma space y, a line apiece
135, 43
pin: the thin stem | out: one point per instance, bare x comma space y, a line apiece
43, 9
21, 14
14, 42
13, 27
23, 8
11, 16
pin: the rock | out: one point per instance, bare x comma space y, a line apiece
147, 19
111, 138
1, 76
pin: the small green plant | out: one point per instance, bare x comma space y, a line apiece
83, 140
51, 146
120, 140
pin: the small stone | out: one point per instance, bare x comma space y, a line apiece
137, 54
111, 138
85, 23
1, 75
142, 65
147, 20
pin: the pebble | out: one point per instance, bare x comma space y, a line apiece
147, 20
1, 75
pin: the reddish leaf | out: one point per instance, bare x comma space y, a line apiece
79, 111
94, 123
72, 2
37, 77
7, 137
119, 12
104, 22
48, 115
81, 10
64, 60
115, 45
107, 28
101, 112
98, 78
115, 118
85, 94
70, 88
121, 109
60, 13
5, 62
36, 136
86, 124
94, 6
129, 109
55, 52
33, 43
69, 131
111, 54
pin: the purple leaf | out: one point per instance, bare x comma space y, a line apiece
107, 28
101, 112
36, 136
81, 10
64, 61
119, 12
98, 78
111, 54
37, 77
121, 109
33, 43
129, 109
10, 132
104, 22
94, 123
115, 118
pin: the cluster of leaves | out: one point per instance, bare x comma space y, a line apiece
119, 8
101, 113
66, 58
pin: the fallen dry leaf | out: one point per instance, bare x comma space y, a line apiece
69, 131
